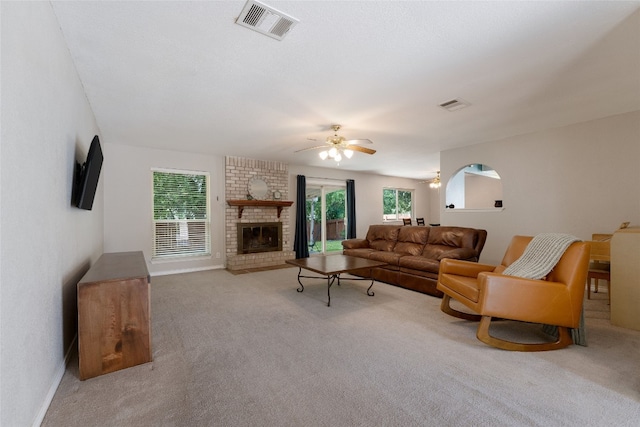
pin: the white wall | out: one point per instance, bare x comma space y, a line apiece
46, 244
128, 222
368, 193
578, 179
434, 205
481, 192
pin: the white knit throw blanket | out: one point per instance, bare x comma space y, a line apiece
541, 255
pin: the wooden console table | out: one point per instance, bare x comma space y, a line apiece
114, 314
241, 204
625, 278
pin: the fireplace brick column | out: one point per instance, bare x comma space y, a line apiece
238, 172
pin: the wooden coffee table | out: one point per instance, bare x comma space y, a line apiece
331, 266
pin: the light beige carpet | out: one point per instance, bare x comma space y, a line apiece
248, 350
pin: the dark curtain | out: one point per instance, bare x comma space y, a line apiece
351, 209
300, 243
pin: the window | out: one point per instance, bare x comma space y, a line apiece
326, 215
396, 204
180, 214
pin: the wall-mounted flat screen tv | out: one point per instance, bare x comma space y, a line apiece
89, 174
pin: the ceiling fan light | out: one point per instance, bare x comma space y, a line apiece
435, 183
348, 153
337, 157
333, 152
323, 154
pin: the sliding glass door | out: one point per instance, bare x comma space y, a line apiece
326, 217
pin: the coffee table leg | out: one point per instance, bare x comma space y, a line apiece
330, 280
369, 292
301, 288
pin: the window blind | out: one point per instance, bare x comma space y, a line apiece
181, 214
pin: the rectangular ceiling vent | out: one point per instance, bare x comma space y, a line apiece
266, 20
454, 104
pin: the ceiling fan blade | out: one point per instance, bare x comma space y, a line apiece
310, 148
358, 141
361, 149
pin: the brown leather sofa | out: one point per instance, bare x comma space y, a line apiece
413, 253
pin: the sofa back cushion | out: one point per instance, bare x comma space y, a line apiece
442, 239
411, 240
383, 237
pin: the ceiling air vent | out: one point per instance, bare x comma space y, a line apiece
454, 104
266, 20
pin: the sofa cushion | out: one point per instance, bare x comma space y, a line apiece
447, 236
435, 251
456, 237
414, 234
383, 237
411, 240
391, 258
459, 253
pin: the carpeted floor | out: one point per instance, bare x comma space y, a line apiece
245, 350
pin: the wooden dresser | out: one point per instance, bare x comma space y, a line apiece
114, 314
625, 278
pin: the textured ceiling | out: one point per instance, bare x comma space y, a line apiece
183, 76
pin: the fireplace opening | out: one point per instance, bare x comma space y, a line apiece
259, 237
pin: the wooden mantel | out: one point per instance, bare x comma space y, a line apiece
241, 204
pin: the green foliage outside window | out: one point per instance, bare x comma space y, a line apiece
179, 196
396, 204
404, 202
335, 206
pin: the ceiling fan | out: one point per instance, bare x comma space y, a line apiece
337, 146
433, 183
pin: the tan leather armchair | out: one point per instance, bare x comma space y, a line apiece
556, 300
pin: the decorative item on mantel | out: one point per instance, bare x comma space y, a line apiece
276, 195
258, 188
278, 204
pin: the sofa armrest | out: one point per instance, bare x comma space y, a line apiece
355, 244
459, 253
463, 268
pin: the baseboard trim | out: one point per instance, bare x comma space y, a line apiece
187, 270
54, 385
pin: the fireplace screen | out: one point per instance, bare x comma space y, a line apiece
259, 237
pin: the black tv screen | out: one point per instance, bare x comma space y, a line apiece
89, 175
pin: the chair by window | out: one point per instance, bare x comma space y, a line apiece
420, 221
555, 300
406, 221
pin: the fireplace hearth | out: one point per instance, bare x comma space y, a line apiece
259, 237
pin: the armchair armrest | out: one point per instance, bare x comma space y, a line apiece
529, 300
463, 268
355, 244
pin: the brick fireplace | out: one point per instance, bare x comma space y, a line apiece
238, 172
